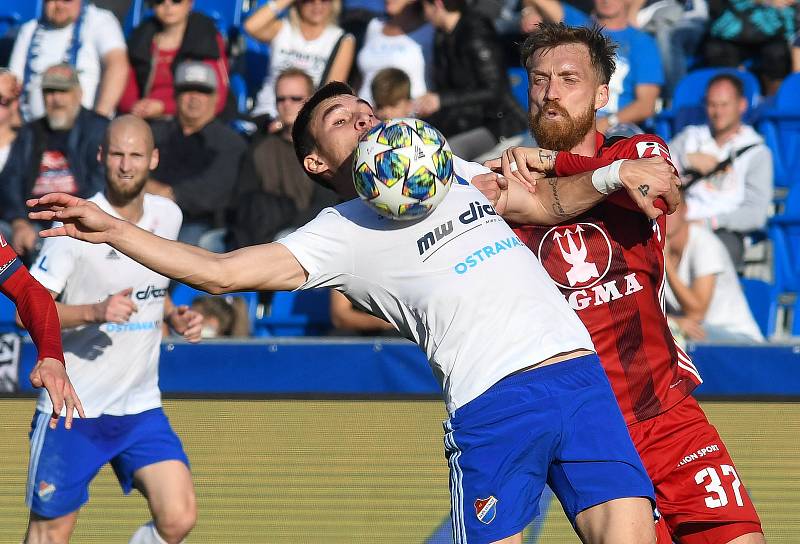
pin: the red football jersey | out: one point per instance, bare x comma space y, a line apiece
609, 264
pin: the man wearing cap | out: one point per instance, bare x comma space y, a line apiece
200, 155
57, 152
78, 33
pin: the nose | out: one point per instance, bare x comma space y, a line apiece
552, 92
365, 121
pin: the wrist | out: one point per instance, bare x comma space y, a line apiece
95, 313
607, 179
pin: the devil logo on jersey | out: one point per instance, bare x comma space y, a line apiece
576, 256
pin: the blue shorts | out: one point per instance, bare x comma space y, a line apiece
559, 424
63, 463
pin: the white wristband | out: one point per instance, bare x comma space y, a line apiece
606, 179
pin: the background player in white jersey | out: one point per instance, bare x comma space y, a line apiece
112, 348
528, 400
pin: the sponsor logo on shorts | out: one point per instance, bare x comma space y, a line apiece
46, 491
702, 452
486, 509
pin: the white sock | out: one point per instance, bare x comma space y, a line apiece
147, 534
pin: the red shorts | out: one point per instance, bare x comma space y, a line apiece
698, 491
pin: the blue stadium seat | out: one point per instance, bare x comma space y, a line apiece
15, 12
297, 313
784, 231
761, 298
780, 126
8, 312
133, 17
518, 77
688, 100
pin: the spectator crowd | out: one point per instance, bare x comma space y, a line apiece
232, 170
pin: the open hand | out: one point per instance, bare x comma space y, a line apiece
51, 374
525, 164
187, 322
82, 220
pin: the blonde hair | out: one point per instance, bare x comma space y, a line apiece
333, 20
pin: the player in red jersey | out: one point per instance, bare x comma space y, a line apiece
37, 313
609, 264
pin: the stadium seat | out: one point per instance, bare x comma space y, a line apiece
12, 14
518, 78
134, 16
761, 298
780, 126
687, 102
784, 231
297, 313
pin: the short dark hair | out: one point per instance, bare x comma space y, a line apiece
389, 87
737, 83
602, 49
293, 71
304, 141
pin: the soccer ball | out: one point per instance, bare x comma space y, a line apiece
403, 168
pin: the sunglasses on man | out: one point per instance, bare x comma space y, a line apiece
159, 2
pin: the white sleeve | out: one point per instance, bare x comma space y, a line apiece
468, 170
20, 52
55, 263
107, 33
323, 248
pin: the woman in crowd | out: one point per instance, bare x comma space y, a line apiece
175, 33
310, 40
401, 40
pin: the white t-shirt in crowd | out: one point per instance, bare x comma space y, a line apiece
728, 311
100, 34
412, 53
459, 283
289, 49
113, 366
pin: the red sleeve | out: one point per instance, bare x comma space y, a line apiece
35, 305
220, 66
569, 164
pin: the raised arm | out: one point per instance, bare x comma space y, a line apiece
268, 267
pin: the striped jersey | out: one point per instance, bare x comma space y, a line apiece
609, 265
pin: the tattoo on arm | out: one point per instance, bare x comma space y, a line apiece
644, 189
557, 207
548, 159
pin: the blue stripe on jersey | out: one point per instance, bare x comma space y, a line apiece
461, 181
9, 268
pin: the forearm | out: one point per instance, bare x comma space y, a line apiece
258, 25
112, 85
692, 304
36, 312
76, 315
556, 200
637, 111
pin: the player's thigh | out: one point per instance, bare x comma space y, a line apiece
62, 464
43, 530
699, 491
596, 461
169, 489
619, 521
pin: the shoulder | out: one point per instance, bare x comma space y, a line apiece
94, 121
100, 20
26, 31
162, 206
226, 135
635, 147
201, 22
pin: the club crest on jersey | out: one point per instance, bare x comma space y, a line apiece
486, 509
46, 490
576, 256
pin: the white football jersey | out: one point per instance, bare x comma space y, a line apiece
459, 283
113, 366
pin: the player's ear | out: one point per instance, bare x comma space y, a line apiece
314, 164
154, 158
601, 96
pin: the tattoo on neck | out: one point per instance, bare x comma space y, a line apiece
644, 189
557, 207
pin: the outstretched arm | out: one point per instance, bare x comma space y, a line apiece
267, 267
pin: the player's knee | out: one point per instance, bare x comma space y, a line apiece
48, 532
178, 521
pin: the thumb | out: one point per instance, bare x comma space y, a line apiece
126, 292
502, 182
35, 378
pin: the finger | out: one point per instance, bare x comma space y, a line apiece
494, 164
70, 212
70, 408
502, 182
62, 199
521, 158
77, 401
42, 215
58, 404
53, 232
505, 161
35, 378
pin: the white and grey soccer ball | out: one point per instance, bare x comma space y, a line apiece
403, 168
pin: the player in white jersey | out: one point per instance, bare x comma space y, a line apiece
528, 399
112, 349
